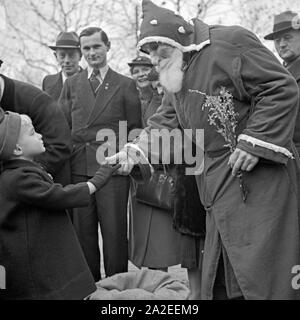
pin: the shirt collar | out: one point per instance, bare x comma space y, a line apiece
63, 77
103, 71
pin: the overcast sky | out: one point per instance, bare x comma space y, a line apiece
223, 13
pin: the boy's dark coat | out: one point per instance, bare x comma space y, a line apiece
38, 247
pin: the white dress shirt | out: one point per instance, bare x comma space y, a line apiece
101, 76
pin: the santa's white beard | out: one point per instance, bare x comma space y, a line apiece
170, 73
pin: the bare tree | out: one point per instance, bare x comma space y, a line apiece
257, 15
31, 25
192, 8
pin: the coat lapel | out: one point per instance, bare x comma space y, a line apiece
57, 85
294, 69
105, 93
86, 97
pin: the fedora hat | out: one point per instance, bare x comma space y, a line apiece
284, 21
66, 40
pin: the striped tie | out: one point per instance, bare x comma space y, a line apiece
95, 83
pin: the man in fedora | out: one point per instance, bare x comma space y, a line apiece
286, 36
67, 53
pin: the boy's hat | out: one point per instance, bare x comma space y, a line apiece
66, 40
10, 125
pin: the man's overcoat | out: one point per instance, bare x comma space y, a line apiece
294, 69
47, 119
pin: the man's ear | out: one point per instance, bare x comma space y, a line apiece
18, 151
108, 45
55, 54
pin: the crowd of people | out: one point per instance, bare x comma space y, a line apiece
234, 226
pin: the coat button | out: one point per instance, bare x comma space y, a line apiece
87, 143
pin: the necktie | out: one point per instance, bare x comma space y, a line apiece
95, 83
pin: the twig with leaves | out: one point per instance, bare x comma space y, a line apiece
222, 116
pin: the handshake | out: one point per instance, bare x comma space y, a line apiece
123, 159
121, 163
103, 174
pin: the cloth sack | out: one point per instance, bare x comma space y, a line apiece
141, 285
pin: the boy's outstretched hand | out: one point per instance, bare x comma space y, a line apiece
103, 174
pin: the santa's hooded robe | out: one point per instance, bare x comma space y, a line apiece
259, 237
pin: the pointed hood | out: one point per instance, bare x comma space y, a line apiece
163, 25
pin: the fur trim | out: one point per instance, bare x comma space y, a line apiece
173, 43
266, 145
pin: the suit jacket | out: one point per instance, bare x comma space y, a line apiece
47, 118
116, 100
53, 85
294, 69
39, 248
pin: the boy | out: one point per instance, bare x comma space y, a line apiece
38, 247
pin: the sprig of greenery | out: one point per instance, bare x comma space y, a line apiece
222, 115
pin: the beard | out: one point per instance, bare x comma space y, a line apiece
170, 73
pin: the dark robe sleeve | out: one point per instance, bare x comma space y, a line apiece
164, 118
274, 93
49, 121
29, 187
47, 118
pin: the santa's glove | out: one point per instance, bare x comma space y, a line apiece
103, 175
